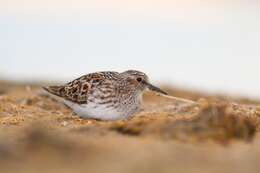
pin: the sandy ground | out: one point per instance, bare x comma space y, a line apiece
219, 134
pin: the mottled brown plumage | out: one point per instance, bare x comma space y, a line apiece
79, 89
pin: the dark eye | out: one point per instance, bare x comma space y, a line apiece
139, 79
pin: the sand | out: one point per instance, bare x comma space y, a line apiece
39, 134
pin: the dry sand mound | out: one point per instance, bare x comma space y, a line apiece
37, 134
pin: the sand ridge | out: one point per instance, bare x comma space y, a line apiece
219, 134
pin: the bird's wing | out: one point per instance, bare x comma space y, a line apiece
79, 89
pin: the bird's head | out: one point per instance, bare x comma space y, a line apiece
141, 81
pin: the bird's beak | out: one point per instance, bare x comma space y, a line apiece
154, 88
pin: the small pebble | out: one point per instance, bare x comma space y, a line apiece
64, 123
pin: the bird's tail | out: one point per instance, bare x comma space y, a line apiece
55, 90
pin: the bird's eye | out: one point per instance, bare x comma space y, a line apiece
139, 79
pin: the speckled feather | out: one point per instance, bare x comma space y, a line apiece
78, 90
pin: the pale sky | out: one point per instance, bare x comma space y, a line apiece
212, 45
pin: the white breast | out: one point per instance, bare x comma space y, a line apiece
91, 110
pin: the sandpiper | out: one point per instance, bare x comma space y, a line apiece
105, 95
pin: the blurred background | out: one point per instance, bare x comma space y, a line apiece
207, 45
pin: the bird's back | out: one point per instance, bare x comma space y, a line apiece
79, 90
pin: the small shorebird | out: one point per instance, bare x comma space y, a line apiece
105, 95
